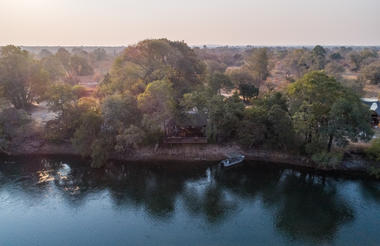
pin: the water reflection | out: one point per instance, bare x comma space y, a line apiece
303, 207
310, 209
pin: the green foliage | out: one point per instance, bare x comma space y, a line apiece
298, 62
53, 66
99, 54
327, 159
63, 100
318, 57
11, 120
371, 73
153, 60
64, 67
61, 97
258, 63
334, 69
219, 81
100, 151
81, 66
267, 123
224, 117
22, 79
79, 91
119, 112
358, 59
248, 91
156, 101
157, 81
348, 120
243, 76
88, 130
196, 99
323, 111
374, 171
373, 152
336, 56
129, 139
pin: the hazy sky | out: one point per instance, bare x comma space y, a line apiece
238, 22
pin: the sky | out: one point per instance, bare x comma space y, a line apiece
197, 22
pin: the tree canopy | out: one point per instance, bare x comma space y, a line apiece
324, 111
152, 60
22, 79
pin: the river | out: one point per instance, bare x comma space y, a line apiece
61, 201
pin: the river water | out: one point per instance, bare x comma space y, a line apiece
61, 201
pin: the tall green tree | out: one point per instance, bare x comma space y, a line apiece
218, 81
258, 63
22, 79
267, 123
319, 108
318, 57
159, 59
224, 116
248, 91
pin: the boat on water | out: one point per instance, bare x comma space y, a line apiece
232, 160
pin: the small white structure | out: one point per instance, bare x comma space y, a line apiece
374, 106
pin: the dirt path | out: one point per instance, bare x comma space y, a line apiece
40, 114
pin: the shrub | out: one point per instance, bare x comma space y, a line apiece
327, 159
374, 171
373, 152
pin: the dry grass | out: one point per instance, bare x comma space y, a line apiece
371, 90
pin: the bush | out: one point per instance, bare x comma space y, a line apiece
374, 171
327, 159
373, 152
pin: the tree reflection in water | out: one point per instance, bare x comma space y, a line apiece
308, 208
304, 207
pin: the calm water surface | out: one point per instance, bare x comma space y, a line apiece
60, 201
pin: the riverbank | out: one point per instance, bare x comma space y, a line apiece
353, 164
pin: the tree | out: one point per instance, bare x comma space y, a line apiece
371, 73
336, 56
318, 57
219, 81
258, 63
129, 139
81, 66
22, 79
64, 57
160, 59
53, 66
119, 112
224, 117
61, 98
362, 58
11, 120
156, 101
318, 105
99, 54
334, 69
87, 132
248, 91
356, 61
267, 123
348, 120
243, 76
44, 53
298, 62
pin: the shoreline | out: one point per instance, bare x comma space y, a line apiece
354, 166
